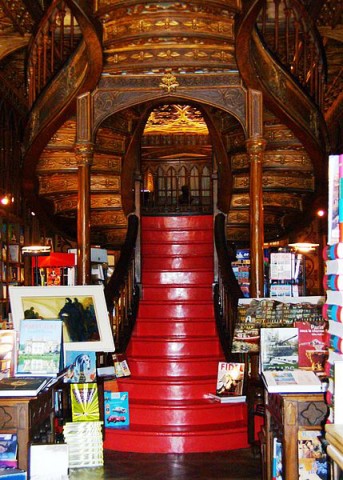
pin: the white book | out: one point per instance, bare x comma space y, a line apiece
335, 328
334, 297
335, 357
227, 399
334, 267
49, 461
292, 381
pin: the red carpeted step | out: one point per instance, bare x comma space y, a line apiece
188, 263
176, 346
161, 327
179, 293
174, 350
161, 309
154, 366
160, 439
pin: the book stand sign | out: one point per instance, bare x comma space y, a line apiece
82, 308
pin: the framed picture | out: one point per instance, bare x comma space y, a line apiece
86, 324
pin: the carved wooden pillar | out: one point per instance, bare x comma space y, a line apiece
255, 148
84, 150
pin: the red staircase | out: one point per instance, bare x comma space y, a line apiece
174, 350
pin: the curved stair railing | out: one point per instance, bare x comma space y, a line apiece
64, 61
282, 56
227, 291
122, 291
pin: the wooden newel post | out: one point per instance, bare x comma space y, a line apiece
84, 151
255, 149
84, 154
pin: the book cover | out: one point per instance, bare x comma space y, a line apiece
277, 460
333, 200
40, 347
8, 353
334, 267
279, 348
116, 408
292, 381
246, 338
22, 386
81, 366
230, 379
334, 297
84, 402
312, 460
8, 449
121, 367
312, 350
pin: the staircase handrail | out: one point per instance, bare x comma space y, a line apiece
121, 291
283, 95
297, 44
57, 102
227, 290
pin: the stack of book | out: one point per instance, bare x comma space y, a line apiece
84, 440
230, 383
333, 284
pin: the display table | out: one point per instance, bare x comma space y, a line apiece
334, 437
26, 416
286, 414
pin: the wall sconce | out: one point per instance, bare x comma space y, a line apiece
304, 247
6, 199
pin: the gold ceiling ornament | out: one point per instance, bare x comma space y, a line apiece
169, 83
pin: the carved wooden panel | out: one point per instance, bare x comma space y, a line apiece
110, 217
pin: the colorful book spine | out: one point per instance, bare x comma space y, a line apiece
333, 312
333, 282
340, 197
333, 252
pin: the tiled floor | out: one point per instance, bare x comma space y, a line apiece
232, 465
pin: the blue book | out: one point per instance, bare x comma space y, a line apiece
116, 409
81, 366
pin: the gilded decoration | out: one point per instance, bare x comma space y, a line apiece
105, 182
103, 162
57, 183
55, 161
103, 218
169, 83
65, 204
283, 200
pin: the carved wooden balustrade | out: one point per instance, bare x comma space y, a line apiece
54, 42
227, 290
289, 32
122, 292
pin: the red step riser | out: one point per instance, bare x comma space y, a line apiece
177, 278
195, 367
150, 390
167, 348
193, 250
184, 415
178, 223
175, 236
177, 263
176, 293
205, 441
169, 310
182, 328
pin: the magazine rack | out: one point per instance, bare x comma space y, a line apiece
286, 415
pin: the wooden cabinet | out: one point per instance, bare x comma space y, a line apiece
28, 416
286, 414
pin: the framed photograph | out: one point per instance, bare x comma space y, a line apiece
82, 308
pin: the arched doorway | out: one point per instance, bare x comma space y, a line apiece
176, 161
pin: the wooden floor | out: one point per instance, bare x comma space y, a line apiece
231, 465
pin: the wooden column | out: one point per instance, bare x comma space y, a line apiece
255, 148
84, 151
